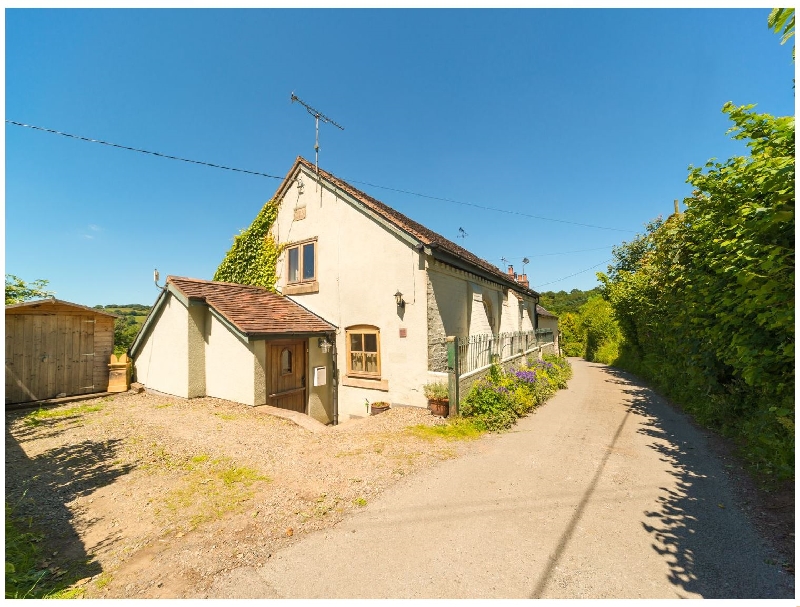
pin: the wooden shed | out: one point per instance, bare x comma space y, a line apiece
56, 348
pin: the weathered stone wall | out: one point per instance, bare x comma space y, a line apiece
437, 337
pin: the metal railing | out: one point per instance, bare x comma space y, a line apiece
479, 351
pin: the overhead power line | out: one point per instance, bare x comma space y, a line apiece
125, 147
219, 166
478, 206
559, 253
575, 274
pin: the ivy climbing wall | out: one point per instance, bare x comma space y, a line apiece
253, 258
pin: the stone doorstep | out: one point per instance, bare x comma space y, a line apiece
301, 419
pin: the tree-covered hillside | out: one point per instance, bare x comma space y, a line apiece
561, 302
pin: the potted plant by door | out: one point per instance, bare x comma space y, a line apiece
438, 398
378, 407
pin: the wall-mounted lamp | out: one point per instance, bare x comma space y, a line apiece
398, 298
324, 344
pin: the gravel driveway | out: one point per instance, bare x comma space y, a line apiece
152, 496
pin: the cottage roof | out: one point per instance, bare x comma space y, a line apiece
542, 312
43, 303
254, 311
417, 230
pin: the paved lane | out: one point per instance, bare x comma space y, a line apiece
604, 492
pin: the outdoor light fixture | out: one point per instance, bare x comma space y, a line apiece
324, 344
398, 297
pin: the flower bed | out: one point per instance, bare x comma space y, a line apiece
496, 401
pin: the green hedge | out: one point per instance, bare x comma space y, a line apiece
705, 299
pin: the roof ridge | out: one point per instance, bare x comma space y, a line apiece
221, 282
407, 224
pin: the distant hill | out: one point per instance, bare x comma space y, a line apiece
137, 311
561, 302
131, 318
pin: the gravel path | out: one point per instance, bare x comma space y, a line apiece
151, 496
604, 492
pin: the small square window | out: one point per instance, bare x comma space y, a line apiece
301, 261
363, 352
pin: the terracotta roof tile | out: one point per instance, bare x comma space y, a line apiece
252, 310
419, 231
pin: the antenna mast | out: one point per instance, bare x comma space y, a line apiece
317, 117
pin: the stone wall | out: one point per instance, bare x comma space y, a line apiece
437, 338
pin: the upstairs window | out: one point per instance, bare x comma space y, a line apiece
302, 262
364, 351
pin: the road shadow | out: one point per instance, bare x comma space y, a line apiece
706, 538
39, 488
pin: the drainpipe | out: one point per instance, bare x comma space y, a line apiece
335, 380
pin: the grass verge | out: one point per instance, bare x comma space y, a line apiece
457, 428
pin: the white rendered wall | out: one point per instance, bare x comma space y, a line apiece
229, 364
162, 362
360, 266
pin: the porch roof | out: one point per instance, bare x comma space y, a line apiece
253, 311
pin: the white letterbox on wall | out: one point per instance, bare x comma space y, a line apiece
320, 376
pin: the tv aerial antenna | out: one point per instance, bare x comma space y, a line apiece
525, 260
462, 233
317, 117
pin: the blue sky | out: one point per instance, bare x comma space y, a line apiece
589, 116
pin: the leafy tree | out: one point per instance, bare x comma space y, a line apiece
561, 302
18, 291
572, 337
125, 331
781, 21
601, 331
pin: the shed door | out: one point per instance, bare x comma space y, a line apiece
287, 373
48, 355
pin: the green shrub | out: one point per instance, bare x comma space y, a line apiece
496, 401
436, 391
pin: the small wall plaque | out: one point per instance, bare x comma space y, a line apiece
403, 332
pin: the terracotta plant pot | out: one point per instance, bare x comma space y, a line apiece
376, 408
439, 407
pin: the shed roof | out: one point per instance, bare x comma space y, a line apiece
51, 301
408, 225
254, 311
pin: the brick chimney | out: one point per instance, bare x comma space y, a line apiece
523, 280
511, 274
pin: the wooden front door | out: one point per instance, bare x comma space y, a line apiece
48, 355
286, 364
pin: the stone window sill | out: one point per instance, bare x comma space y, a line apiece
301, 288
370, 384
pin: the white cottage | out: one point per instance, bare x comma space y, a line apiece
384, 291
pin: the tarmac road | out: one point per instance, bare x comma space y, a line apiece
604, 492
